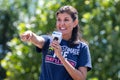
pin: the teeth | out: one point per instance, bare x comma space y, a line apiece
63, 28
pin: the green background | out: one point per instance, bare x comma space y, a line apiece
99, 21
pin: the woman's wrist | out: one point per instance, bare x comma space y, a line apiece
32, 37
61, 58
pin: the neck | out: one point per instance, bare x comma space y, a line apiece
66, 37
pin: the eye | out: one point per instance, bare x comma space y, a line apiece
58, 19
66, 19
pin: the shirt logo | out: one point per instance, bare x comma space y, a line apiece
51, 58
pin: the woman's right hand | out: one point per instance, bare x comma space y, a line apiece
27, 36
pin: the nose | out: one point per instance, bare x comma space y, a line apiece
62, 23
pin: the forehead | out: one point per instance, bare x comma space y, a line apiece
63, 15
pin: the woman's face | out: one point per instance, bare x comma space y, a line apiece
65, 24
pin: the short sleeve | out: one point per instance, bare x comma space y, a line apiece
46, 44
84, 59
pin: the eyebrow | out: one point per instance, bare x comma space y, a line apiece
65, 17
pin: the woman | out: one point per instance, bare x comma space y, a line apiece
72, 57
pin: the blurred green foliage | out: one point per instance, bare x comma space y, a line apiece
99, 22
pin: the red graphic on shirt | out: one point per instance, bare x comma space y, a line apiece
51, 59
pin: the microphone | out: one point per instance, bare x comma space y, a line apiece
56, 35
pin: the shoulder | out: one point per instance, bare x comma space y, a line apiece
47, 38
83, 47
83, 44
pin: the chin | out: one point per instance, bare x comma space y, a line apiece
64, 33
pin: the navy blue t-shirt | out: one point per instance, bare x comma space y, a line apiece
53, 69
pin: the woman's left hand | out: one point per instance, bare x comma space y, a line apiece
57, 48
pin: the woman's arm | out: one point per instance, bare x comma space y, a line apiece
29, 36
76, 74
79, 74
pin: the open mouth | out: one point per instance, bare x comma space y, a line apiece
62, 28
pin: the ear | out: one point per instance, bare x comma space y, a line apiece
75, 22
